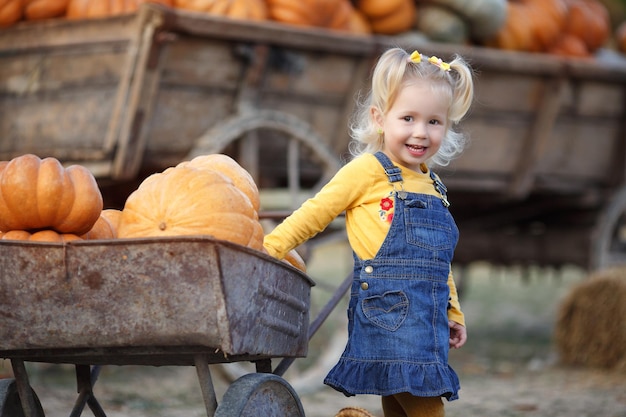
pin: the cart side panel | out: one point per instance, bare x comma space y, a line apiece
574, 154
275, 317
141, 293
58, 103
32, 280
206, 79
58, 85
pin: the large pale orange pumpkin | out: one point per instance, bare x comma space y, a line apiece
231, 168
11, 11
44, 9
41, 194
236, 9
83, 9
331, 14
188, 201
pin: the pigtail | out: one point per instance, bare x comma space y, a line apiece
463, 94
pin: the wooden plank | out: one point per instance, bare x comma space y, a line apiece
537, 137
66, 34
206, 25
137, 108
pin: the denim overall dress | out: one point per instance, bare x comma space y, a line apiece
398, 334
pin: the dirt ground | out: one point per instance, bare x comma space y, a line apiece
508, 368
553, 391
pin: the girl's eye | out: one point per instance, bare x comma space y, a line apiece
435, 122
408, 118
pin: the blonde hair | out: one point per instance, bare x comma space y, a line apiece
395, 70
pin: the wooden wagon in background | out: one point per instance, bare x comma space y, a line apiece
541, 182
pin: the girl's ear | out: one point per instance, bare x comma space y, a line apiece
377, 117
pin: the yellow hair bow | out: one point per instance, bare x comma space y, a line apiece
415, 57
438, 62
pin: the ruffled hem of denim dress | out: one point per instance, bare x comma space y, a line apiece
433, 380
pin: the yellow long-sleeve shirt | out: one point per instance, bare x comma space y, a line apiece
359, 188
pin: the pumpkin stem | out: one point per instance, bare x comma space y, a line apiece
162, 226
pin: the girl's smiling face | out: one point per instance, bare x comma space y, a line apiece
415, 125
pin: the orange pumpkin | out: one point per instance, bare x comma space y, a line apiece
16, 235
589, 20
188, 201
388, 17
106, 225
530, 25
331, 14
235, 9
84, 9
359, 24
41, 194
44, 9
40, 236
569, 46
547, 21
294, 259
229, 167
515, 35
11, 11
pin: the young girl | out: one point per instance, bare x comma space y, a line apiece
404, 312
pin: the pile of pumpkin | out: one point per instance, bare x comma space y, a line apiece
563, 27
357, 16
41, 200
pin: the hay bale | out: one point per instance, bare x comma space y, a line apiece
591, 322
353, 412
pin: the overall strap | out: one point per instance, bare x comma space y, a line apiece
440, 188
392, 171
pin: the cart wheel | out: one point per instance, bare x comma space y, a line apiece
608, 247
260, 394
305, 152
10, 405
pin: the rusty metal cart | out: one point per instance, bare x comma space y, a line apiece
190, 301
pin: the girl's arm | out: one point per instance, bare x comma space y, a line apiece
454, 312
316, 213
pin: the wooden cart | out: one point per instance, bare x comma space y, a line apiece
542, 181
190, 301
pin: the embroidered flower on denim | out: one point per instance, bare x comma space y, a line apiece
385, 213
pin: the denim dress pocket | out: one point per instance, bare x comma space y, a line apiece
388, 310
431, 231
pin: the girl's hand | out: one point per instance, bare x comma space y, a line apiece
458, 334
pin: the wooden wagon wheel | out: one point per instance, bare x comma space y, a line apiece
260, 394
608, 246
303, 142
10, 404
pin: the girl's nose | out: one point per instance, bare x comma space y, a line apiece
419, 130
